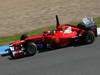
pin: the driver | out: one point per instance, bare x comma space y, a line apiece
68, 30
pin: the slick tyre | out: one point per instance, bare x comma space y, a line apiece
24, 36
89, 37
31, 49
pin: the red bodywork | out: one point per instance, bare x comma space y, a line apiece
56, 37
59, 38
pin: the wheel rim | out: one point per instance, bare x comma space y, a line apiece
32, 50
89, 38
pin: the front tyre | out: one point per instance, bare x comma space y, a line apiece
31, 49
24, 36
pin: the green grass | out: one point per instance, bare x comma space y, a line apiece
97, 20
8, 39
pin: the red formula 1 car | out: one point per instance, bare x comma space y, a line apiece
63, 35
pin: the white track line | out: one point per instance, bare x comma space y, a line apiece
98, 31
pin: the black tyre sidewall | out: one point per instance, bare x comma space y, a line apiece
88, 37
24, 36
31, 49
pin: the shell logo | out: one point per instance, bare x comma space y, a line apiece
57, 40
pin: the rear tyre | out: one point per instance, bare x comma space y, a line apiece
89, 37
81, 26
31, 49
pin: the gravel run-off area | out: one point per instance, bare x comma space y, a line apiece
18, 16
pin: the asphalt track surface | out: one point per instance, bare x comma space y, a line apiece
79, 60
